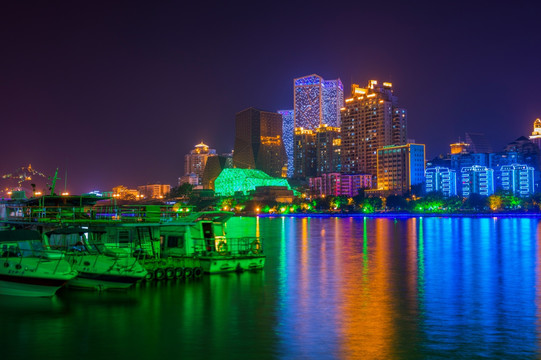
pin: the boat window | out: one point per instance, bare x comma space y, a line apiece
175, 241
208, 232
123, 236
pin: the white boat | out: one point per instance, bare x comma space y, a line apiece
99, 267
27, 268
218, 247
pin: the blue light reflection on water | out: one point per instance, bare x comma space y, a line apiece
370, 288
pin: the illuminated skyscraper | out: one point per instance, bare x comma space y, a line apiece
536, 134
195, 161
400, 167
317, 101
370, 120
305, 155
258, 141
288, 129
327, 149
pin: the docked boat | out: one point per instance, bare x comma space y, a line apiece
211, 238
100, 266
28, 268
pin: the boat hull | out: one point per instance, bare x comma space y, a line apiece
29, 286
224, 264
94, 281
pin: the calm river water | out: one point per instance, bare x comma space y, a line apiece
351, 288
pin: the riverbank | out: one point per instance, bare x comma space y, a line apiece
407, 215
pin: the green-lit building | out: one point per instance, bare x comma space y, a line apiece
231, 181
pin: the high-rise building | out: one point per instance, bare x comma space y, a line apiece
477, 180
370, 119
305, 153
536, 134
441, 179
154, 191
317, 101
214, 167
288, 129
258, 142
400, 167
195, 161
518, 179
333, 100
327, 149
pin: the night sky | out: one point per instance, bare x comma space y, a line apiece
118, 93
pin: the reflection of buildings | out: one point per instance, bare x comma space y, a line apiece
371, 119
258, 141
400, 167
441, 179
288, 128
154, 191
195, 161
477, 180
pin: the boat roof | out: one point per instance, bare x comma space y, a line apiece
19, 235
215, 216
72, 230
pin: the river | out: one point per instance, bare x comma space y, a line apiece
332, 288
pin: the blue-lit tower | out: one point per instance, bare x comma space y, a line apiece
477, 180
288, 128
333, 100
441, 179
518, 179
317, 102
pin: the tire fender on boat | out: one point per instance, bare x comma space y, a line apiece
179, 273
188, 272
198, 272
222, 248
255, 247
149, 276
159, 274
170, 273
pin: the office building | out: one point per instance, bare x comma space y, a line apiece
477, 180
400, 167
327, 141
258, 142
336, 184
441, 179
304, 153
154, 191
518, 179
370, 120
288, 129
195, 161
317, 101
478, 143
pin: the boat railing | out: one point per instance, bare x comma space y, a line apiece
226, 246
127, 213
16, 255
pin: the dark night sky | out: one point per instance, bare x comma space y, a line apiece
118, 93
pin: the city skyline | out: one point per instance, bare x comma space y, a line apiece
104, 93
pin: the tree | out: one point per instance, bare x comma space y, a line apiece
476, 202
396, 202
